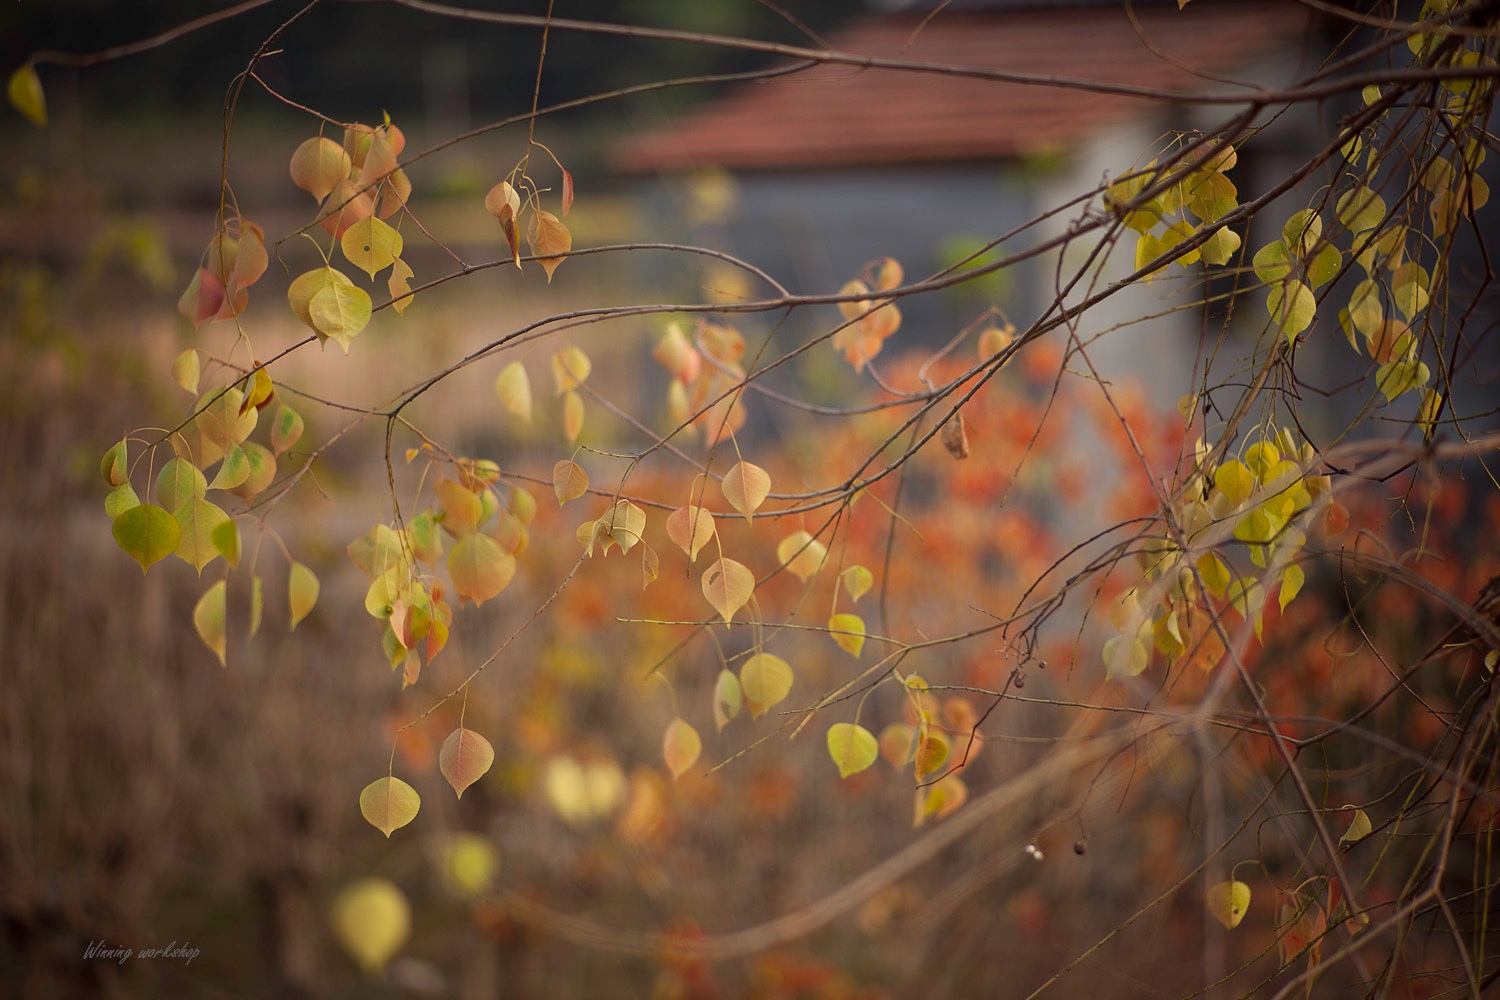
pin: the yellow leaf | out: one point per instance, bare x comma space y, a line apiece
1228, 902
848, 631
197, 519
765, 680
371, 921
1359, 829
25, 93
570, 369
513, 386
728, 696
569, 481
318, 165
932, 754
399, 285
550, 240
371, 245
208, 619
470, 863
802, 554
852, 747
1291, 584
572, 415
1234, 481
624, 524
857, 581
745, 486
480, 568
464, 758
388, 804
728, 585
185, 370
302, 592
681, 746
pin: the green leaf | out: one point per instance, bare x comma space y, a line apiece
766, 680
1293, 307
1324, 265
340, 312
208, 619
178, 482
1360, 209
226, 539
1221, 247
388, 804
852, 747
480, 568
848, 631
1272, 263
464, 758
233, 471
1228, 902
1400, 376
147, 534
113, 466
1302, 232
25, 94
120, 499
197, 520
302, 592
371, 245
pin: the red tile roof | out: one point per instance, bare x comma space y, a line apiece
832, 115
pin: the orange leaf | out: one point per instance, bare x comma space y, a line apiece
464, 758
728, 586
550, 240
745, 486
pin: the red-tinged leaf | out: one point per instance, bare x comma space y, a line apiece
462, 509
898, 743
302, 592
955, 437
766, 680
203, 299
728, 586
24, 91
550, 240
344, 207
318, 165
681, 746
513, 386
572, 415
464, 758
501, 197
567, 193
250, 262
380, 155
208, 619
399, 286
674, 353
690, 528
848, 630
1335, 519
388, 804
746, 486
569, 481
727, 698
802, 554
197, 519
371, 245
394, 192
887, 273
479, 568
852, 747
943, 799
512, 234
286, 429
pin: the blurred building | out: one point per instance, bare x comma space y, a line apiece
834, 165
